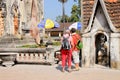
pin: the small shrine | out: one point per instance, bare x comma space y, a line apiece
101, 33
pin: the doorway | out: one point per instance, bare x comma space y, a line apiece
101, 48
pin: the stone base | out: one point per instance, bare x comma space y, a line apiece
115, 64
8, 63
8, 59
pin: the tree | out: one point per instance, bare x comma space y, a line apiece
63, 10
62, 1
65, 19
58, 18
74, 14
79, 8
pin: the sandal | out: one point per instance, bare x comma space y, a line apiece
63, 70
69, 70
76, 69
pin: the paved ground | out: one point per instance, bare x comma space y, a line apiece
46, 72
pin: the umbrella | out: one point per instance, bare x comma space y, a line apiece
76, 25
48, 24
56, 24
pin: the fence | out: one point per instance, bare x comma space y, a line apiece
27, 55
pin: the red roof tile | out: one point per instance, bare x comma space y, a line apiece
113, 9
87, 11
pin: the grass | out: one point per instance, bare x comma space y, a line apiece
56, 43
31, 46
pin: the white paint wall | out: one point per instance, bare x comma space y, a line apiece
115, 50
86, 50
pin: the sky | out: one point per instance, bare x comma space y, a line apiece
53, 8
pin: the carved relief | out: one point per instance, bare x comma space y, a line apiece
1, 23
18, 14
15, 14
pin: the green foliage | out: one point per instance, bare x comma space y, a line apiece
75, 13
58, 18
66, 19
31, 46
74, 9
57, 43
74, 18
28, 46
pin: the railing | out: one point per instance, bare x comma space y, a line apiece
30, 55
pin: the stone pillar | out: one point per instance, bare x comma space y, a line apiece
59, 34
22, 16
86, 50
49, 34
115, 50
8, 17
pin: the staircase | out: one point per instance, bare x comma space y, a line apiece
11, 41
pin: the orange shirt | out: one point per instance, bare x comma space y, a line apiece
75, 37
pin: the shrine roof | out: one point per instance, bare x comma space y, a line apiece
112, 7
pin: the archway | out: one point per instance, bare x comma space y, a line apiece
101, 48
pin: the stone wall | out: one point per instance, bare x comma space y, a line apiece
86, 51
115, 50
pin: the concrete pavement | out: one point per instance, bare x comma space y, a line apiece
47, 72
